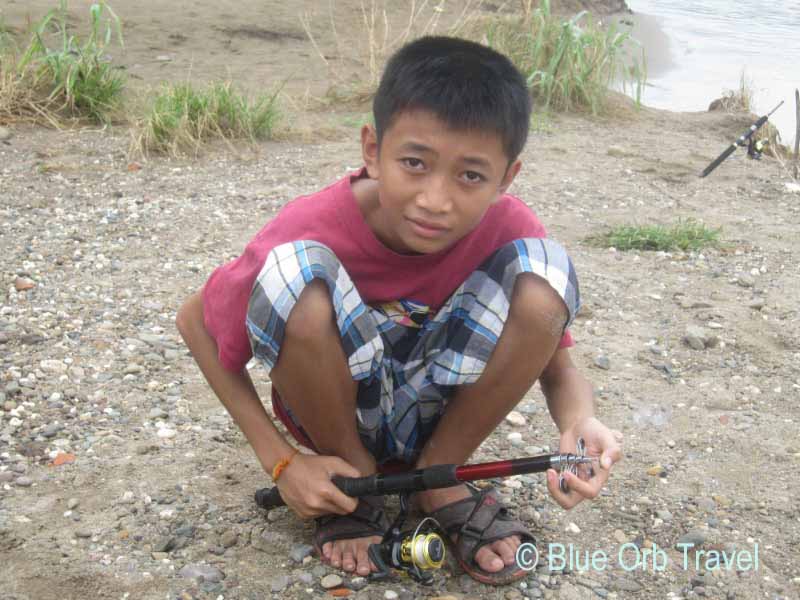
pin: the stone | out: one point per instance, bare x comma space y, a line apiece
300, 551
390, 595
5, 134
602, 362
22, 284
515, 437
229, 539
279, 583
24, 482
695, 537
516, 418
358, 583
207, 573
331, 581
695, 337
573, 528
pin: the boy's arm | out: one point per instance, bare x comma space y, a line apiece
571, 403
306, 486
235, 390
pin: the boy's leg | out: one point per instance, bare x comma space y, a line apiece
528, 340
314, 381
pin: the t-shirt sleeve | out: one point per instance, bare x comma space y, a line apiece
225, 298
530, 226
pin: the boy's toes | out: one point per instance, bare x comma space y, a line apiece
506, 549
348, 560
336, 556
489, 560
363, 564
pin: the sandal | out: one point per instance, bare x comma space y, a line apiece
368, 519
479, 520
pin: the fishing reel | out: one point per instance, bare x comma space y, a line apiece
416, 552
755, 148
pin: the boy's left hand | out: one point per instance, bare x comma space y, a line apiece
602, 442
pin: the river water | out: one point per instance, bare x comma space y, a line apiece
706, 46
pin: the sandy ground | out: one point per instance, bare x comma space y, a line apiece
98, 253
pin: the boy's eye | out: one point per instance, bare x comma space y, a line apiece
413, 163
473, 177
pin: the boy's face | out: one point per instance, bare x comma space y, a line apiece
434, 183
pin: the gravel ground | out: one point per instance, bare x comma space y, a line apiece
121, 476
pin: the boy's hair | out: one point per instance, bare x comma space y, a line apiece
465, 84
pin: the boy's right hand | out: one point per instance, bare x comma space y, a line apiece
306, 487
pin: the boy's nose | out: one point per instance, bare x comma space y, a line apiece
435, 198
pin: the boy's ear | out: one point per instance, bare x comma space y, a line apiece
370, 150
508, 178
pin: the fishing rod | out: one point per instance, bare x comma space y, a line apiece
742, 141
442, 476
422, 550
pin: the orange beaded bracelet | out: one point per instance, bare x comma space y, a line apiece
282, 464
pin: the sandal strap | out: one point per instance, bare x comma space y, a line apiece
368, 519
479, 520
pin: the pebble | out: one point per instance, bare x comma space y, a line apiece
602, 362
515, 437
695, 337
208, 573
573, 528
358, 583
516, 418
695, 537
279, 583
5, 134
166, 433
72, 503
300, 551
229, 539
390, 595
6, 476
24, 482
331, 581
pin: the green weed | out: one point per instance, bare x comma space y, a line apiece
73, 73
182, 118
568, 64
685, 235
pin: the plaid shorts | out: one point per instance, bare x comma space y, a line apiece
405, 373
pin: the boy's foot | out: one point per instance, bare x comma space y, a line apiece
343, 540
488, 553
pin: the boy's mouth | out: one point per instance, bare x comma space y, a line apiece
427, 229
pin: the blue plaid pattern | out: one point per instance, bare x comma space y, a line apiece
405, 374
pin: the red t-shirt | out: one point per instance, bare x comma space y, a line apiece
332, 217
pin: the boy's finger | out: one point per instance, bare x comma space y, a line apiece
339, 466
565, 501
588, 489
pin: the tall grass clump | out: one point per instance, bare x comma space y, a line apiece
569, 64
60, 74
183, 118
685, 235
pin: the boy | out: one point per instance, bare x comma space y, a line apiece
403, 312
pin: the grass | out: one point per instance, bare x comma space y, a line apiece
60, 74
685, 235
370, 41
569, 65
182, 118
740, 99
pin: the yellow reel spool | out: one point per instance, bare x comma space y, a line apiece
424, 551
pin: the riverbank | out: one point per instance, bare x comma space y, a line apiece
122, 476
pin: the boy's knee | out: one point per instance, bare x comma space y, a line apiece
311, 318
536, 305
